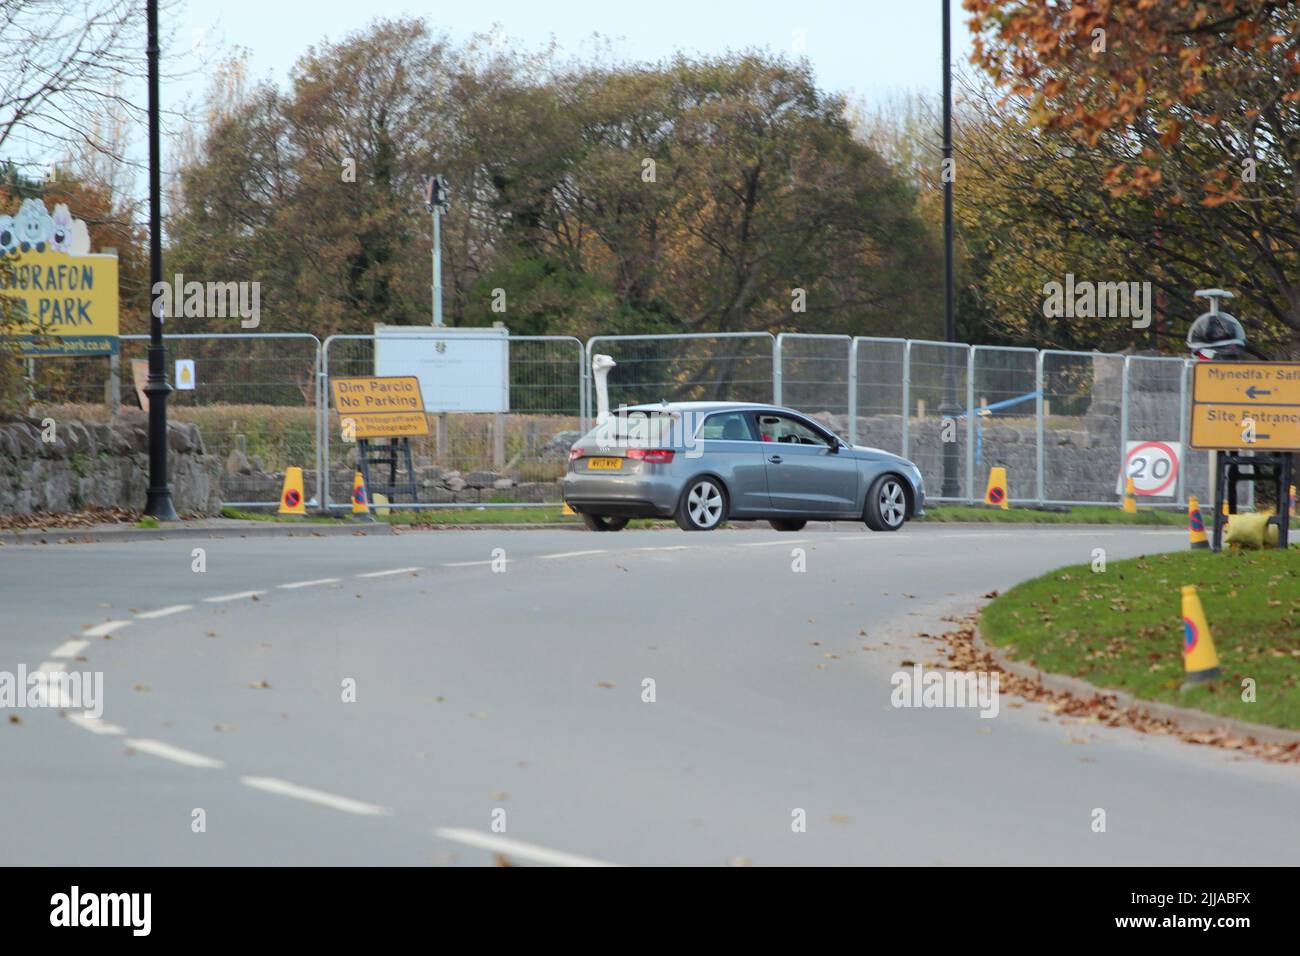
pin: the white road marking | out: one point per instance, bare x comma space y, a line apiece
69, 648
96, 725
108, 627
384, 574
474, 564
237, 596
167, 752
764, 544
667, 547
51, 667
286, 789
570, 554
163, 612
504, 846
308, 584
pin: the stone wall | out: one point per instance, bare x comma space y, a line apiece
99, 464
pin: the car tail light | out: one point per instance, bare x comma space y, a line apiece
575, 453
651, 456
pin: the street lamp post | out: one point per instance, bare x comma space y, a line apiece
159, 503
949, 408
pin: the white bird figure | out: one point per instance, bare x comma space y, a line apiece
600, 366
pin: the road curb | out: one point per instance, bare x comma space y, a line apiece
1183, 716
252, 530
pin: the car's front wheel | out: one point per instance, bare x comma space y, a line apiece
604, 522
886, 508
703, 505
787, 524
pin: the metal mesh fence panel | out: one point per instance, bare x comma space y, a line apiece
935, 435
878, 410
1155, 408
253, 398
75, 387
1006, 423
476, 458
683, 368
1082, 394
814, 377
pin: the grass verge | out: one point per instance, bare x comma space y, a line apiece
1122, 628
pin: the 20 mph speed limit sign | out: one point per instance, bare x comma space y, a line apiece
1153, 466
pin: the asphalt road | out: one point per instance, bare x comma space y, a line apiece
485, 696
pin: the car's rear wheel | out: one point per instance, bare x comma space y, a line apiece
886, 508
703, 505
787, 524
604, 522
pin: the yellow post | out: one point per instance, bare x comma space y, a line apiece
1130, 502
1200, 662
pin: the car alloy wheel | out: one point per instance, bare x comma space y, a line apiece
893, 503
702, 506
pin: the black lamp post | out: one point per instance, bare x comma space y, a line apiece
948, 409
159, 504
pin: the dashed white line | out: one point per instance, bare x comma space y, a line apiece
286, 789
308, 584
666, 547
96, 725
516, 848
107, 628
475, 564
384, 574
237, 596
69, 648
163, 612
570, 554
167, 752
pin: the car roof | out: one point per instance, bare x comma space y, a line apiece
701, 407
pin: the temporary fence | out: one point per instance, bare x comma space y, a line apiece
1060, 422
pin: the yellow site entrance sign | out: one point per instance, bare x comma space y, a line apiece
1246, 405
379, 407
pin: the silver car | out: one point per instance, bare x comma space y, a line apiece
701, 463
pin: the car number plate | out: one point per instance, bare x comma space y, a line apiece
604, 464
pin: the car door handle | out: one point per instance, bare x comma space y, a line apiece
775, 459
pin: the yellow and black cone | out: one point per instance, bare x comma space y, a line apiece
291, 496
1130, 502
1196, 524
1200, 662
360, 499
996, 493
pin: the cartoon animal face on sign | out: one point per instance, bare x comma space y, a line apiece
61, 233
34, 225
8, 235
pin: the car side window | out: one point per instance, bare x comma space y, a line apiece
781, 428
727, 426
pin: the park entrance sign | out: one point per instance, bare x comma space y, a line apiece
1246, 405
67, 297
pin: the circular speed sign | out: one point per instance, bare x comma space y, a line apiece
1153, 466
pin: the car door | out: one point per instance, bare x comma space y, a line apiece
728, 446
806, 473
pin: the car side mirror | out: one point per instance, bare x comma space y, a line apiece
835, 447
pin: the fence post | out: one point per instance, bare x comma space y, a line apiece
1183, 415
776, 369
1123, 420
1039, 426
853, 390
113, 388
970, 423
907, 396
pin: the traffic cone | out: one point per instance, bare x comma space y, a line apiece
1200, 663
1196, 524
291, 497
360, 500
566, 510
1130, 502
996, 493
